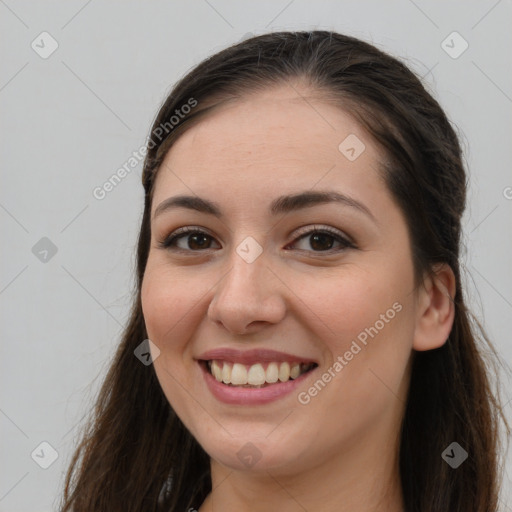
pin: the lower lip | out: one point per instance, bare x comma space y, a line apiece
250, 396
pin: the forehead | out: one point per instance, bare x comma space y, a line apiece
286, 137
284, 117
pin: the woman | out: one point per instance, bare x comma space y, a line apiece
299, 280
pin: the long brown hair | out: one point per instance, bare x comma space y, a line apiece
136, 455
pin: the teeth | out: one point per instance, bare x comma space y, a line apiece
238, 374
256, 375
295, 371
284, 372
272, 373
226, 373
216, 370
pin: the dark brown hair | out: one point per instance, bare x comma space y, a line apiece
135, 443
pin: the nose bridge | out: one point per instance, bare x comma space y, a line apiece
247, 260
247, 275
249, 292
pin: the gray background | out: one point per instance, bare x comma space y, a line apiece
71, 120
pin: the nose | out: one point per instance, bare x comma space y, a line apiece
248, 297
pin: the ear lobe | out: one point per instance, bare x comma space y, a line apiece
436, 309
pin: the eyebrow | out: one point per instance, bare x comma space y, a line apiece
283, 204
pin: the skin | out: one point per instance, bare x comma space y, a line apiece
338, 452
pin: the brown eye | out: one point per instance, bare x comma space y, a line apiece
187, 239
198, 241
323, 240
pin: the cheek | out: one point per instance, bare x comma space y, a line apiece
166, 302
366, 327
371, 326
350, 304
169, 314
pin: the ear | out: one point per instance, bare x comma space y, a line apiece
436, 309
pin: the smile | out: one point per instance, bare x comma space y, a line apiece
254, 376
258, 375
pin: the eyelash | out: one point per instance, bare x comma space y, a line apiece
169, 242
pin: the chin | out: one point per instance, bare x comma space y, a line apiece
253, 449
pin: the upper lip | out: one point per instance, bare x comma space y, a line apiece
252, 356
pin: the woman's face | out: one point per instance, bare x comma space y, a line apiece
314, 298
